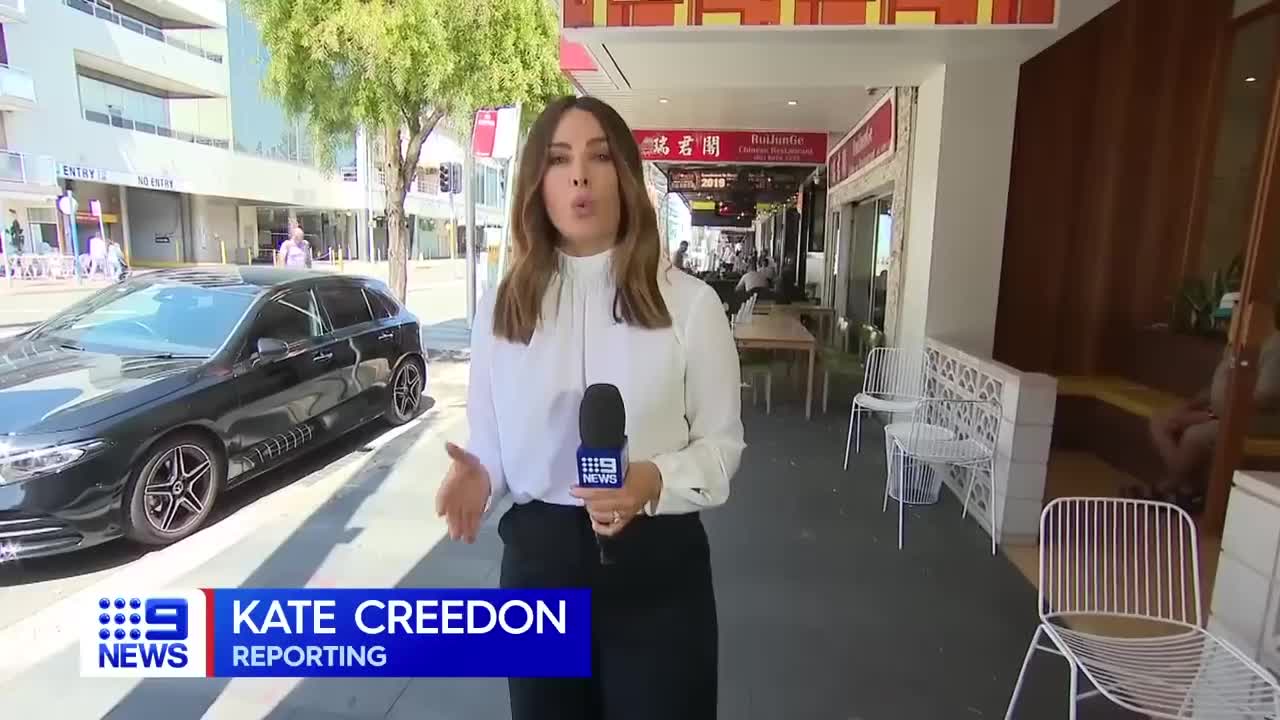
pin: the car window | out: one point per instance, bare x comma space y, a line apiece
159, 317
292, 318
346, 306
383, 306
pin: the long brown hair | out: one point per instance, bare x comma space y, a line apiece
638, 300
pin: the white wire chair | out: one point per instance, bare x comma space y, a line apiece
892, 382
942, 434
1138, 559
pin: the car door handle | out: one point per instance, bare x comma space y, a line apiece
322, 357
386, 336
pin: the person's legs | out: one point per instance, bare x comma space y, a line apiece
545, 547
1164, 436
1195, 448
656, 624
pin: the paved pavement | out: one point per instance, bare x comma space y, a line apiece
821, 616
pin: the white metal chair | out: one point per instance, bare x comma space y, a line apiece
892, 382
1138, 559
942, 434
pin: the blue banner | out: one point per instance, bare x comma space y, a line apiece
399, 633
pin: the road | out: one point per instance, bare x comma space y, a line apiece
436, 294
356, 514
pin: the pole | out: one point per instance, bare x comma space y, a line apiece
469, 202
4, 261
75, 244
511, 184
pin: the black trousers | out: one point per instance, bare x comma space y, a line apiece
655, 650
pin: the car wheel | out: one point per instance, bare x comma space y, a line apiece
404, 402
172, 493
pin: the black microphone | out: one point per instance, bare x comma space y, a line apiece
602, 448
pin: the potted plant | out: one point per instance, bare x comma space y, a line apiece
1199, 298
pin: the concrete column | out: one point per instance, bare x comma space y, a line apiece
124, 222
959, 186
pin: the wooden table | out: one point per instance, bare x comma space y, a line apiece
780, 331
825, 315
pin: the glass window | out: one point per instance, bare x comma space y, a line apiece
1245, 104
145, 319
384, 305
291, 318
346, 306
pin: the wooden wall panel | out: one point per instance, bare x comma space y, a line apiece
1109, 124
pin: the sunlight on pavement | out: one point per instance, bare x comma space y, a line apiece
271, 521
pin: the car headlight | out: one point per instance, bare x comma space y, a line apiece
19, 465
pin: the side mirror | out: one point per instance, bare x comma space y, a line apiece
270, 349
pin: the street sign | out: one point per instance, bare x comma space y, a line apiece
68, 204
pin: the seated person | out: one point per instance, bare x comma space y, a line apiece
1185, 435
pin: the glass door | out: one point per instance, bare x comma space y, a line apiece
883, 235
1241, 228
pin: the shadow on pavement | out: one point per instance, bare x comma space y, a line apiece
821, 615
121, 552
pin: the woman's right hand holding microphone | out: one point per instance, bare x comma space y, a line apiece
463, 495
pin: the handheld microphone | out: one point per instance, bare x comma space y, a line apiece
602, 449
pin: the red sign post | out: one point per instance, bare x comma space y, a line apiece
868, 143
733, 147
485, 133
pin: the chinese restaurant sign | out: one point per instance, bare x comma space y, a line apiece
673, 13
733, 146
866, 145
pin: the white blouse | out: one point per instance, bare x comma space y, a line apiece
680, 386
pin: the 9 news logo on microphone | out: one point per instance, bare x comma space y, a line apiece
602, 452
159, 635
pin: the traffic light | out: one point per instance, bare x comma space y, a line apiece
446, 178
455, 181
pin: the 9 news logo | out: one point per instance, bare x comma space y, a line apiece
155, 636
599, 471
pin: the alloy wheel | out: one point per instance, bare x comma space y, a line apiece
178, 489
407, 390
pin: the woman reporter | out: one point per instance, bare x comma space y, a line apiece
590, 299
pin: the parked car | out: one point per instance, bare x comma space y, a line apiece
129, 413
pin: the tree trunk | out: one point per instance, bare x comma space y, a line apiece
397, 232
400, 174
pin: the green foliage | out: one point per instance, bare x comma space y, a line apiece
396, 63
1200, 297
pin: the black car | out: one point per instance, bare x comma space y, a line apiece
128, 413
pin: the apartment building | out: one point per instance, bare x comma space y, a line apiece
154, 109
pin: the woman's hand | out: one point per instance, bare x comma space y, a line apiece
642, 485
463, 494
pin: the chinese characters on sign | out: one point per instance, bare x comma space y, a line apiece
733, 146
871, 141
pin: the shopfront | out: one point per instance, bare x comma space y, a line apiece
866, 172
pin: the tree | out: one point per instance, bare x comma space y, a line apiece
401, 67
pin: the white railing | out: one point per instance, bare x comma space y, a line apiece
18, 6
17, 83
16, 167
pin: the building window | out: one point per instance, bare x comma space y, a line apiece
197, 120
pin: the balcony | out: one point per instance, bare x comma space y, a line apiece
170, 38
13, 11
22, 169
116, 118
17, 89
